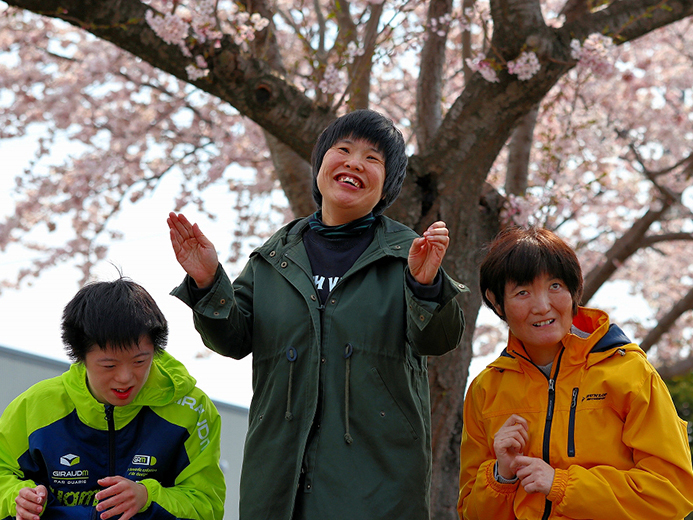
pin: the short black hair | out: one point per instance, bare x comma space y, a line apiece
111, 315
378, 130
520, 255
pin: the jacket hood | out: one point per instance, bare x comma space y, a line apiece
168, 381
591, 339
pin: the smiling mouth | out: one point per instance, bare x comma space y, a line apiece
349, 180
543, 323
122, 394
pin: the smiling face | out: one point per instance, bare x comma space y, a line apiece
350, 181
115, 376
539, 314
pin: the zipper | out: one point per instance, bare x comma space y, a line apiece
571, 423
111, 439
546, 449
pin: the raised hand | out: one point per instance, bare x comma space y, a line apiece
509, 443
121, 497
535, 475
194, 252
30, 502
426, 253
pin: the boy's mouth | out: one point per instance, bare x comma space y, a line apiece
122, 394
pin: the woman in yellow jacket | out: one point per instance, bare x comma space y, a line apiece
571, 421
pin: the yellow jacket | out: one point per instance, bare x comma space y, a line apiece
614, 439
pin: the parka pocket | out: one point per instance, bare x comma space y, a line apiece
394, 407
571, 423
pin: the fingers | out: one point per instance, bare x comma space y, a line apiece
30, 502
536, 476
437, 236
509, 443
121, 497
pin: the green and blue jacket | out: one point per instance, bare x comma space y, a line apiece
168, 438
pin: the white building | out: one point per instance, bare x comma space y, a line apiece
20, 370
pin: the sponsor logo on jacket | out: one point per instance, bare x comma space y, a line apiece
69, 460
202, 426
594, 397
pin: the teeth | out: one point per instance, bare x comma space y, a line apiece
349, 180
542, 323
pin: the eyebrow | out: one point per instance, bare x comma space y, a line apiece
353, 141
108, 359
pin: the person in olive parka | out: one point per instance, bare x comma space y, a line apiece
340, 310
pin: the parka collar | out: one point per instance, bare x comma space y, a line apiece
591, 339
168, 381
391, 238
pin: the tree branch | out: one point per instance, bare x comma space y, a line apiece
665, 322
622, 249
429, 84
255, 89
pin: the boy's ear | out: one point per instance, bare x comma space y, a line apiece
490, 297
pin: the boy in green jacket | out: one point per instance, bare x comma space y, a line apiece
123, 433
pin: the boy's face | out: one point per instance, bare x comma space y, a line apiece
115, 376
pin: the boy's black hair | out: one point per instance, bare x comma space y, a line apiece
111, 315
520, 255
378, 130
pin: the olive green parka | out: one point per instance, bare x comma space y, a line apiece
340, 414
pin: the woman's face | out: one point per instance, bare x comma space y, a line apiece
350, 181
116, 376
539, 314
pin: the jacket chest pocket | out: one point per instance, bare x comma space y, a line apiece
571, 422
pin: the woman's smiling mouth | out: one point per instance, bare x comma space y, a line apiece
542, 323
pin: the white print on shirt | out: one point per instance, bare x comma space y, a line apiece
320, 280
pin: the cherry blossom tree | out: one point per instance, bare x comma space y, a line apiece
575, 115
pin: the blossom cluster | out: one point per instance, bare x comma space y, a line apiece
332, 82
525, 66
485, 67
202, 25
594, 53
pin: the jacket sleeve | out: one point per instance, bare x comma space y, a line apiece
481, 496
660, 483
223, 317
14, 441
435, 327
200, 489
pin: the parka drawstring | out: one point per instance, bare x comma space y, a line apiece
348, 351
291, 355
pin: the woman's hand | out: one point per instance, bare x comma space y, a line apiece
426, 253
121, 497
535, 475
509, 443
194, 252
30, 502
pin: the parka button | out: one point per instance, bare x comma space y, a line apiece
422, 317
216, 313
283, 264
333, 301
312, 297
323, 360
397, 248
273, 253
222, 301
